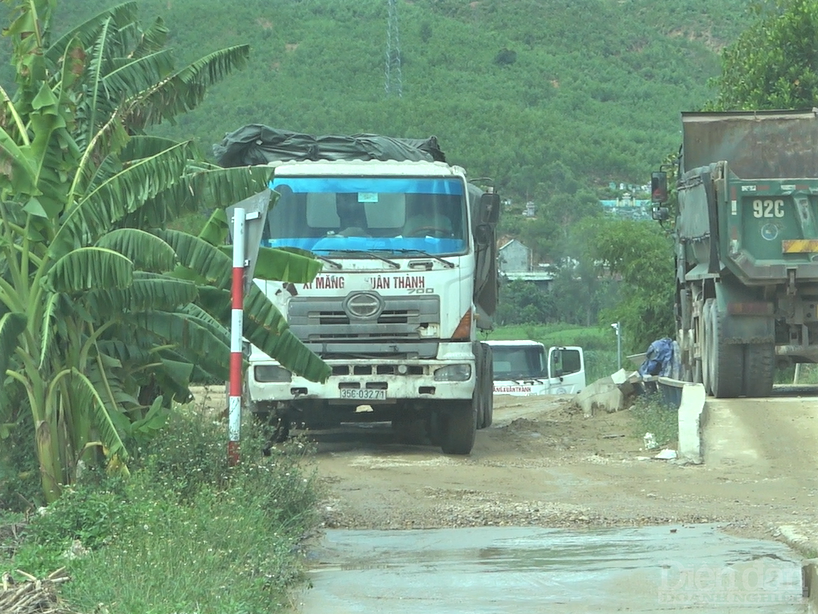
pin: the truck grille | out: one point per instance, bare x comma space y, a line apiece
321, 319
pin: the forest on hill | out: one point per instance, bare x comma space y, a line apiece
544, 96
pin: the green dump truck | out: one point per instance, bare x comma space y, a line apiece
746, 241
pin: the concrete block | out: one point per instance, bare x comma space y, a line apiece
691, 418
629, 383
602, 395
620, 377
809, 583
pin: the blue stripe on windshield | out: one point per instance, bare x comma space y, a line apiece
365, 184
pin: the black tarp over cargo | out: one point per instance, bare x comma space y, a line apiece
258, 144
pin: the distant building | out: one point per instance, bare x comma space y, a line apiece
628, 207
516, 263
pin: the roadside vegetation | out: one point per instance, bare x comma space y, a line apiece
107, 317
653, 414
186, 532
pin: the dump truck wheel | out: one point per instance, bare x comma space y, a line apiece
727, 360
684, 323
759, 369
705, 340
460, 428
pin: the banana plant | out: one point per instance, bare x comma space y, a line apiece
94, 301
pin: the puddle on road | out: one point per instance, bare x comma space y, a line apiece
485, 570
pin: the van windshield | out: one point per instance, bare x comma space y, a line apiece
338, 216
518, 362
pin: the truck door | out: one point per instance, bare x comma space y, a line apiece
566, 370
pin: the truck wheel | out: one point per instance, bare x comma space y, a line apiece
488, 417
275, 425
684, 324
726, 360
435, 426
487, 386
479, 385
759, 369
459, 428
684, 309
281, 429
697, 371
705, 336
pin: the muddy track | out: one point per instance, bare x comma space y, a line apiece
543, 464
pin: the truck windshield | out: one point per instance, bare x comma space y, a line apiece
518, 362
339, 216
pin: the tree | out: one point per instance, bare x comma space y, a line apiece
773, 64
97, 298
524, 303
578, 277
640, 256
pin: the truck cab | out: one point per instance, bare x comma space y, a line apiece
409, 277
523, 368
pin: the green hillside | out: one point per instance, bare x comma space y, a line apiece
544, 96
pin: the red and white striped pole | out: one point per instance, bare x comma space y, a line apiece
236, 336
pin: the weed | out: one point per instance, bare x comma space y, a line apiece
187, 532
653, 415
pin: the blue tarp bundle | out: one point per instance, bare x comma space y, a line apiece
661, 359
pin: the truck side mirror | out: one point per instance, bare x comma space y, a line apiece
489, 208
555, 360
658, 187
660, 214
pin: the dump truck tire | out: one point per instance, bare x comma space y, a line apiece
759, 369
705, 340
460, 427
727, 360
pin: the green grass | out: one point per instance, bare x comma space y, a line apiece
808, 375
652, 415
186, 533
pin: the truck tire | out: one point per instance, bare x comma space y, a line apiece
684, 323
274, 423
479, 383
759, 369
684, 309
460, 427
705, 335
487, 386
726, 360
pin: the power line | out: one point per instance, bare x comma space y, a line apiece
394, 79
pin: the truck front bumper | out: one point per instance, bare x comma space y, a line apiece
369, 381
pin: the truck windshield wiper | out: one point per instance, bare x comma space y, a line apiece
391, 263
420, 252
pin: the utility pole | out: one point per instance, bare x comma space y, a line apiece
394, 79
618, 328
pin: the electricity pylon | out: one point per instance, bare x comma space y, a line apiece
394, 79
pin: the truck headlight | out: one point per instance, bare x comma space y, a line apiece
272, 373
453, 373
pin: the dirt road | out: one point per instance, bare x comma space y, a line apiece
543, 464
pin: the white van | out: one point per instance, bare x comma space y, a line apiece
522, 368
